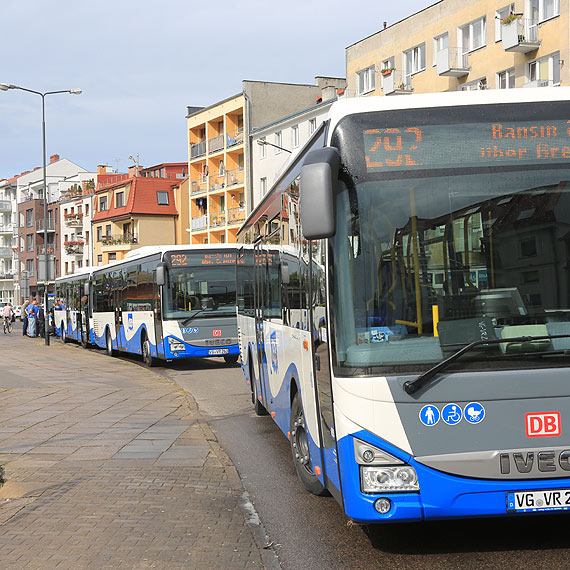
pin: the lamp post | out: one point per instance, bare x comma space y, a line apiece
6, 87
262, 142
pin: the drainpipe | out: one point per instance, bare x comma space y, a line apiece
248, 160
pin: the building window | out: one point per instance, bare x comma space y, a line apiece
472, 36
29, 218
544, 72
30, 242
501, 15
541, 10
365, 80
263, 186
102, 203
414, 60
278, 141
439, 44
112, 256
528, 247
108, 230
262, 148
162, 198
100, 259
477, 85
295, 136
312, 126
506, 79
99, 233
86, 209
119, 199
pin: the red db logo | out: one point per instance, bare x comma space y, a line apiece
217, 332
544, 424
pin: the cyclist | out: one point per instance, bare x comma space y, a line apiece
7, 316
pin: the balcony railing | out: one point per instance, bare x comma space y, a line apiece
41, 250
452, 62
217, 219
41, 224
217, 181
73, 220
199, 223
235, 176
73, 247
119, 239
520, 34
539, 83
236, 215
215, 144
6, 252
6, 228
234, 137
200, 185
397, 83
198, 149
5, 206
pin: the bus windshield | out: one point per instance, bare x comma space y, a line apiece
200, 291
445, 238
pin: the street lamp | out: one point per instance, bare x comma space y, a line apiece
6, 87
262, 142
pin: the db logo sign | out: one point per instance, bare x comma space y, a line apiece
544, 424
217, 332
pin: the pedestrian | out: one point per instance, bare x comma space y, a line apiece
32, 318
7, 313
41, 321
24, 316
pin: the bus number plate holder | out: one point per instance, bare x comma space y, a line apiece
534, 501
218, 351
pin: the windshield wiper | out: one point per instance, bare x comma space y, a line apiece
412, 386
189, 319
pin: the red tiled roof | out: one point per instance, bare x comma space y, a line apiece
142, 199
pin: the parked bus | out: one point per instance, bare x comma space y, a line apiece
165, 303
404, 308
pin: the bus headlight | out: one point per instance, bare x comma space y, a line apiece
381, 479
175, 345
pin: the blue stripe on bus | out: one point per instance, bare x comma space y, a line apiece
441, 495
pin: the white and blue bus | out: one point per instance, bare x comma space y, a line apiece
404, 305
163, 302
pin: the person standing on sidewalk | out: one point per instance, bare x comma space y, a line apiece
32, 318
24, 316
7, 313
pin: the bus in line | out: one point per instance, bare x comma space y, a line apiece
162, 302
403, 297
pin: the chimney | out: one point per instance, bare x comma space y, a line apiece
133, 171
385, 24
53, 158
103, 169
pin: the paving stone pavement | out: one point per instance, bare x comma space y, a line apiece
110, 465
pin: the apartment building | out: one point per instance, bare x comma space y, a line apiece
137, 211
462, 45
276, 144
219, 153
8, 238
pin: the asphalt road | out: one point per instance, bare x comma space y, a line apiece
313, 532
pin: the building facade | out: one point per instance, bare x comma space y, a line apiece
463, 45
8, 239
220, 153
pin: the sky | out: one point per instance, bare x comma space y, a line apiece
140, 64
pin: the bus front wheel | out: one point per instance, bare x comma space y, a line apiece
109, 344
300, 449
148, 359
231, 358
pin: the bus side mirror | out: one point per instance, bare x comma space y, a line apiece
319, 179
161, 274
285, 273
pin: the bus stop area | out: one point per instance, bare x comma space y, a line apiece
110, 465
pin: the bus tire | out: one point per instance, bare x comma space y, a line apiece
231, 359
84, 341
147, 356
300, 449
109, 344
258, 407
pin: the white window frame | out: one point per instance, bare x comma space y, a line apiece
542, 17
501, 14
418, 57
263, 186
471, 26
508, 74
278, 141
262, 148
295, 136
366, 80
532, 67
312, 126
438, 45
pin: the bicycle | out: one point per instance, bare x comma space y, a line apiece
7, 325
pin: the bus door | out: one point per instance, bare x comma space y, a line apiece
259, 280
323, 380
117, 299
157, 310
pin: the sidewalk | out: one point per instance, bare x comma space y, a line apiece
110, 465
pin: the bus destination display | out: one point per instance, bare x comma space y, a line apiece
200, 259
464, 145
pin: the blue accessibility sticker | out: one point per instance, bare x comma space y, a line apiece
429, 415
452, 414
474, 413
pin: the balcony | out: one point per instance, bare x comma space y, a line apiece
519, 34
74, 247
7, 228
396, 83
199, 223
452, 62
215, 144
539, 83
198, 149
6, 275
41, 224
73, 192
200, 185
217, 219
119, 239
235, 176
5, 206
236, 215
73, 220
234, 138
6, 252
217, 181
41, 250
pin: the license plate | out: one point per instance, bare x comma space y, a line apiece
217, 351
533, 501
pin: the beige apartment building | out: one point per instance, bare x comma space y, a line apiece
458, 45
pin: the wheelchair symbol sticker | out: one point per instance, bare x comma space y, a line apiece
429, 415
452, 414
474, 413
